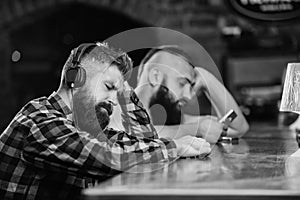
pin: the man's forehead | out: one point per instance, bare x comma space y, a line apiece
112, 74
175, 63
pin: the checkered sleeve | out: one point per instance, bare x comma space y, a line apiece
56, 144
135, 118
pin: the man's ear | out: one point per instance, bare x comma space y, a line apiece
155, 76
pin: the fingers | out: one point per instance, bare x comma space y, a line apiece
205, 150
192, 146
191, 151
198, 82
200, 145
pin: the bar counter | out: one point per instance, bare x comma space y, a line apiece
262, 165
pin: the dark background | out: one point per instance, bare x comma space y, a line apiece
36, 38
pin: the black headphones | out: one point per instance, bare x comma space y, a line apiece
75, 75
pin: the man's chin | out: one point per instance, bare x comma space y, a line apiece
94, 127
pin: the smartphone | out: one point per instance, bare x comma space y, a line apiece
228, 117
226, 121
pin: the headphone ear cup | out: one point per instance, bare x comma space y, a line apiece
75, 77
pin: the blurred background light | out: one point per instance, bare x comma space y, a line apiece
15, 56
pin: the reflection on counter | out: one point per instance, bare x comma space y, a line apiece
248, 164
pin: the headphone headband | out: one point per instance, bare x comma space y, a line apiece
75, 75
80, 51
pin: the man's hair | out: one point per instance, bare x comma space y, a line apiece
101, 53
173, 49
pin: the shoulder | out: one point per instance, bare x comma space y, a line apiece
40, 109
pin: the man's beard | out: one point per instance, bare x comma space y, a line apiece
166, 99
90, 116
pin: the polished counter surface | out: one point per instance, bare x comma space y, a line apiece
262, 165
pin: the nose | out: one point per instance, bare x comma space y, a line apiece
113, 98
187, 93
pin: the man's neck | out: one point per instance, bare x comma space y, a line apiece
66, 96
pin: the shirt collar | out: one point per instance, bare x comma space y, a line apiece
58, 103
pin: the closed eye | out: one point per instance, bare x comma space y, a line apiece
182, 82
109, 86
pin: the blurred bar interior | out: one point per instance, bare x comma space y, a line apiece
36, 37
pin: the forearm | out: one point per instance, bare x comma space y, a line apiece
206, 127
222, 101
177, 131
76, 151
239, 126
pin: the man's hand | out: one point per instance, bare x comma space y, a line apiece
126, 86
210, 129
200, 82
191, 146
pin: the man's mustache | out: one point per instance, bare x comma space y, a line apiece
104, 104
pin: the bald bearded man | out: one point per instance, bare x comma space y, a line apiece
168, 82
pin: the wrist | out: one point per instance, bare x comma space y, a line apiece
171, 147
224, 130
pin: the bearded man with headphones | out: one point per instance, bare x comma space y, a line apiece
57, 145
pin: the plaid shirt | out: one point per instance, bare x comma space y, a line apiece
44, 156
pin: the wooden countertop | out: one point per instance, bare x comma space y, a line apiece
259, 166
